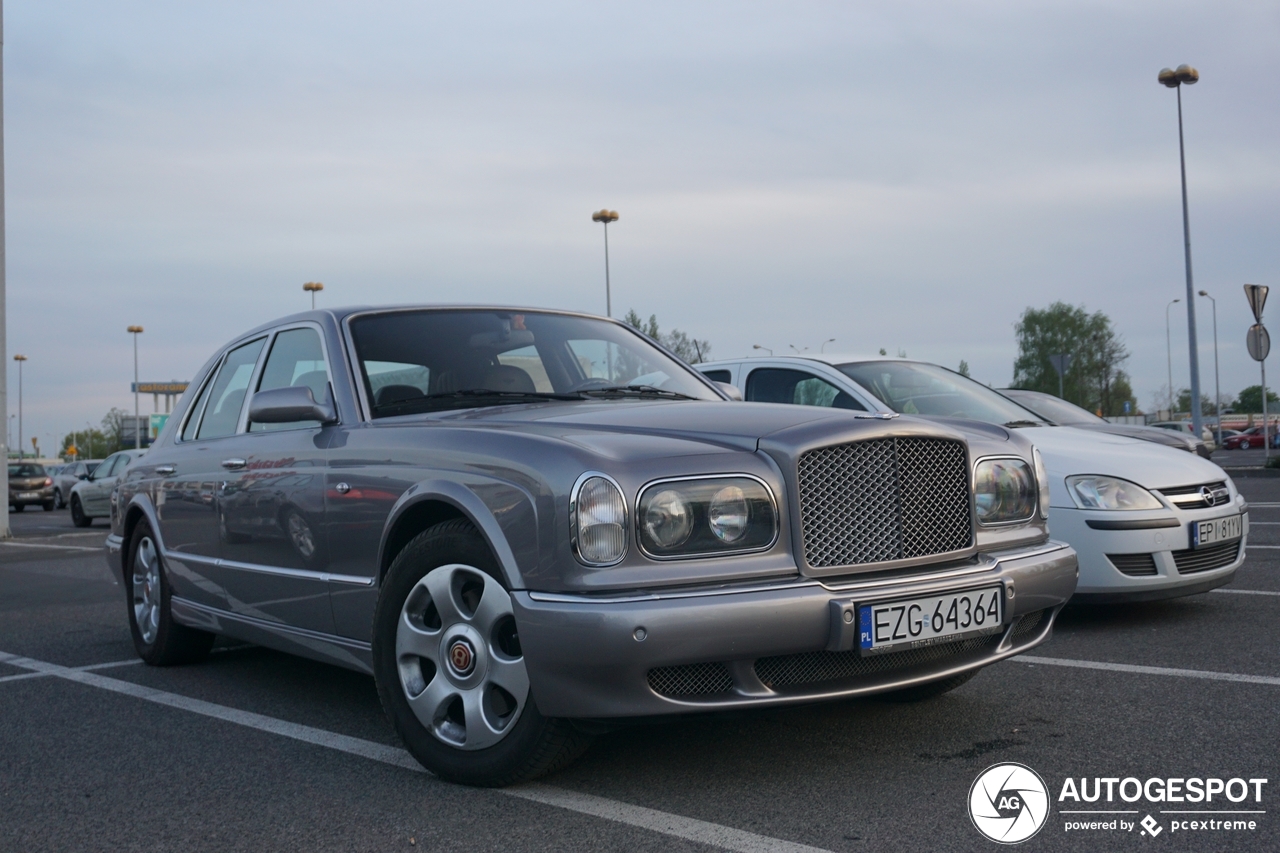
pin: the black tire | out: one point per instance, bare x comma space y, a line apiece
169, 643
19, 507
922, 692
78, 518
57, 499
48, 506
535, 745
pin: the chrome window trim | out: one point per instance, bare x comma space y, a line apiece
195, 412
573, 520
973, 491
777, 523
213, 377
242, 426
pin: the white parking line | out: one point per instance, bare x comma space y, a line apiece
665, 823
1247, 591
13, 544
1253, 547
92, 666
1150, 670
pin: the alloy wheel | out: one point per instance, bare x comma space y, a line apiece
459, 657
146, 590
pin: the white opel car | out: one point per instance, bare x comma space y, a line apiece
1148, 522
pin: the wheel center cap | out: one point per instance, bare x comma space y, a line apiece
462, 658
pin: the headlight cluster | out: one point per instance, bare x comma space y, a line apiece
684, 518
1095, 491
1004, 491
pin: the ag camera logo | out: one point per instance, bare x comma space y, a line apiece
1008, 803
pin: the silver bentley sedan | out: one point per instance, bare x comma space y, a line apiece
527, 525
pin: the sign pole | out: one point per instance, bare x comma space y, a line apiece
1259, 344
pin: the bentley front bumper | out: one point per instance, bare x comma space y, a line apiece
675, 652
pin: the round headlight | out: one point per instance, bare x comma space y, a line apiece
600, 514
668, 518
729, 514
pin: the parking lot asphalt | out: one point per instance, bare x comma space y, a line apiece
256, 750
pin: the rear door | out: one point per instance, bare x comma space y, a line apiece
96, 491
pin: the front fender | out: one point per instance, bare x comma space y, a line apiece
504, 513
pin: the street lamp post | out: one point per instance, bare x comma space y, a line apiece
313, 287
823, 348
606, 216
137, 432
766, 349
20, 358
1175, 79
1217, 386
1168, 348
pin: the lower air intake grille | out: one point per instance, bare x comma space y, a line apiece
695, 679
1206, 559
1134, 564
1027, 625
812, 667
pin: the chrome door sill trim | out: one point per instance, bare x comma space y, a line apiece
302, 574
276, 627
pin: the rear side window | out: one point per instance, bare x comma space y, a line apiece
796, 387
105, 469
296, 360
227, 393
716, 375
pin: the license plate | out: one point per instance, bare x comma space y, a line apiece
916, 622
1216, 530
22, 495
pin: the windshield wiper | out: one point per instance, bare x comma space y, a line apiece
1016, 424
472, 397
635, 391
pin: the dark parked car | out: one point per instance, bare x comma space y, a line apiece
1252, 437
29, 484
1060, 412
527, 523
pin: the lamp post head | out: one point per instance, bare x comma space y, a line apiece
19, 357
313, 286
605, 215
1205, 293
1175, 77
134, 330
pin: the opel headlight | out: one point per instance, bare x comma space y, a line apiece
1004, 490
706, 516
598, 513
1095, 491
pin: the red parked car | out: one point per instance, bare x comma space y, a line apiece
1252, 437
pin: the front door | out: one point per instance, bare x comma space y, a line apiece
274, 557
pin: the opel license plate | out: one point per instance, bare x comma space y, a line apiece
1216, 530
915, 622
28, 495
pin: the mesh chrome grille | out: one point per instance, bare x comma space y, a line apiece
696, 679
1206, 559
884, 499
1026, 625
811, 667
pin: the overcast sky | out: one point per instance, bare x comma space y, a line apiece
909, 175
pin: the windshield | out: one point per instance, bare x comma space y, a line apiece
1052, 408
417, 361
26, 471
914, 388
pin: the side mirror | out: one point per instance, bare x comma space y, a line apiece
82, 476
289, 405
732, 391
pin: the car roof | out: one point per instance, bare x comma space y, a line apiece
824, 358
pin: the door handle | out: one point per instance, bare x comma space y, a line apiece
165, 470
233, 464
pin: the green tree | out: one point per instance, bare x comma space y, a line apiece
113, 429
1094, 380
963, 369
691, 350
90, 443
1250, 401
1206, 405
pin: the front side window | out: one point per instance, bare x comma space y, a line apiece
419, 361
193, 415
797, 387
296, 361
105, 469
227, 393
913, 388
